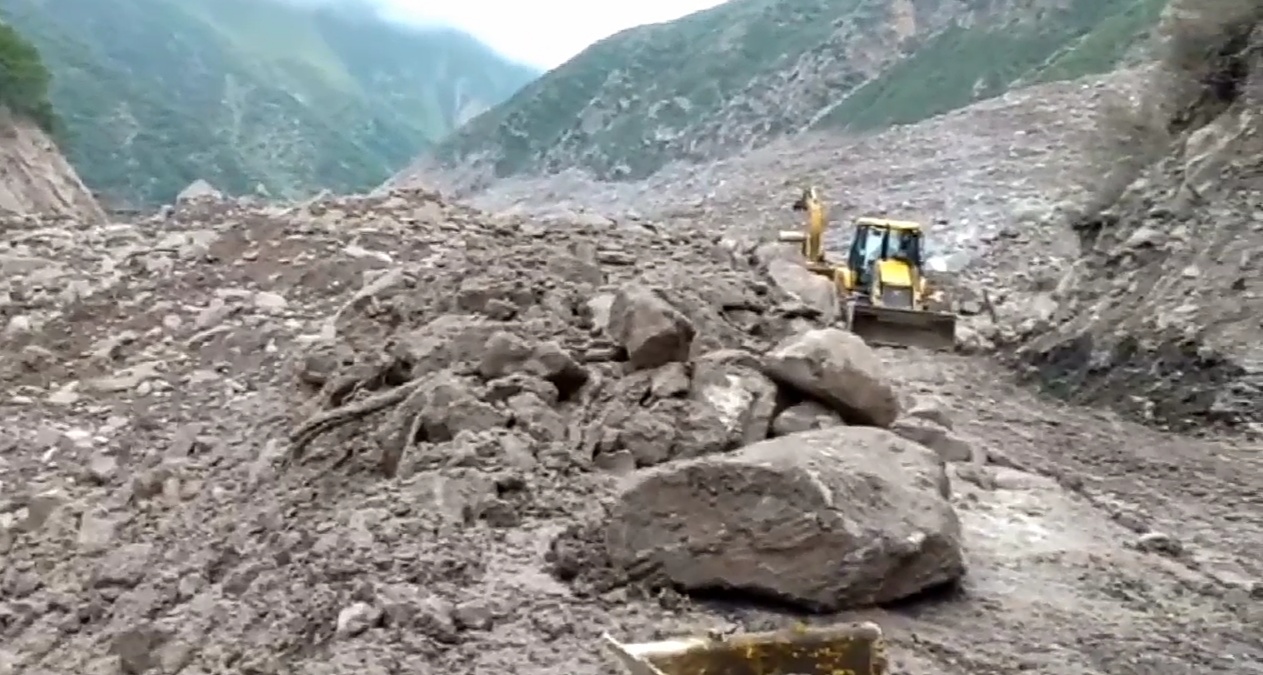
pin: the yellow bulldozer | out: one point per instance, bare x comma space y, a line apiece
882, 281
844, 649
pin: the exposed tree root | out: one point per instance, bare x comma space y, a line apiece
325, 421
402, 429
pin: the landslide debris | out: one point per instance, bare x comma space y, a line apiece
1160, 315
365, 434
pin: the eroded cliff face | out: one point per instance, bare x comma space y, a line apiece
1162, 314
35, 179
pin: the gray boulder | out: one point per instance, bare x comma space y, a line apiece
652, 331
838, 369
829, 519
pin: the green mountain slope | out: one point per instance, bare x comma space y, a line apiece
251, 93
745, 72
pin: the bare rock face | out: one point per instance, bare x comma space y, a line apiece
35, 179
828, 519
837, 368
652, 331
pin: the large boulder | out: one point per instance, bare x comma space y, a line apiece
652, 331
809, 288
198, 190
838, 369
828, 519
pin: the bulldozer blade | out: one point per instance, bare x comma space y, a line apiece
895, 327
847, 648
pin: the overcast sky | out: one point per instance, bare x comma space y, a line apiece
544, 33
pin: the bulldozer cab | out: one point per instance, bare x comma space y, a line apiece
888, 302
886, 257
881, 280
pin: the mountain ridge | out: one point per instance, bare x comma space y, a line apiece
254, 97
736, 76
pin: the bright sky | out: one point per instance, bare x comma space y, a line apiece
544, 33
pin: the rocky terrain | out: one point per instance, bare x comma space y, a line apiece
1160, 314
1000, 166
737, 76
395, 433
391, 433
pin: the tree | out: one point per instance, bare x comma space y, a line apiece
24, 80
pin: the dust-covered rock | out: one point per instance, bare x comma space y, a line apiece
812, 289
742, 400
804, 416
947, 443
838, 369
651, 330
828, 519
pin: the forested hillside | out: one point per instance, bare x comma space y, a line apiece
251, 95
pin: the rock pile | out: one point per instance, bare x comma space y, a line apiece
222, 415
393, 434
553, 351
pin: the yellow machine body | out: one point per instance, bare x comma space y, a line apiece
844, 649
881, 281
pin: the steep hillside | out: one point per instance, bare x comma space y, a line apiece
251, 94
1161, 314
34, 177
748, 71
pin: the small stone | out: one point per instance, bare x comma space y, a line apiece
473, 615
270, 302
1160, 543
357, 618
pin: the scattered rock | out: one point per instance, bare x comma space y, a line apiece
805, 416
357, 618
1159, 542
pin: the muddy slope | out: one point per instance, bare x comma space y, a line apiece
1160, 316
154, 517
36, 179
